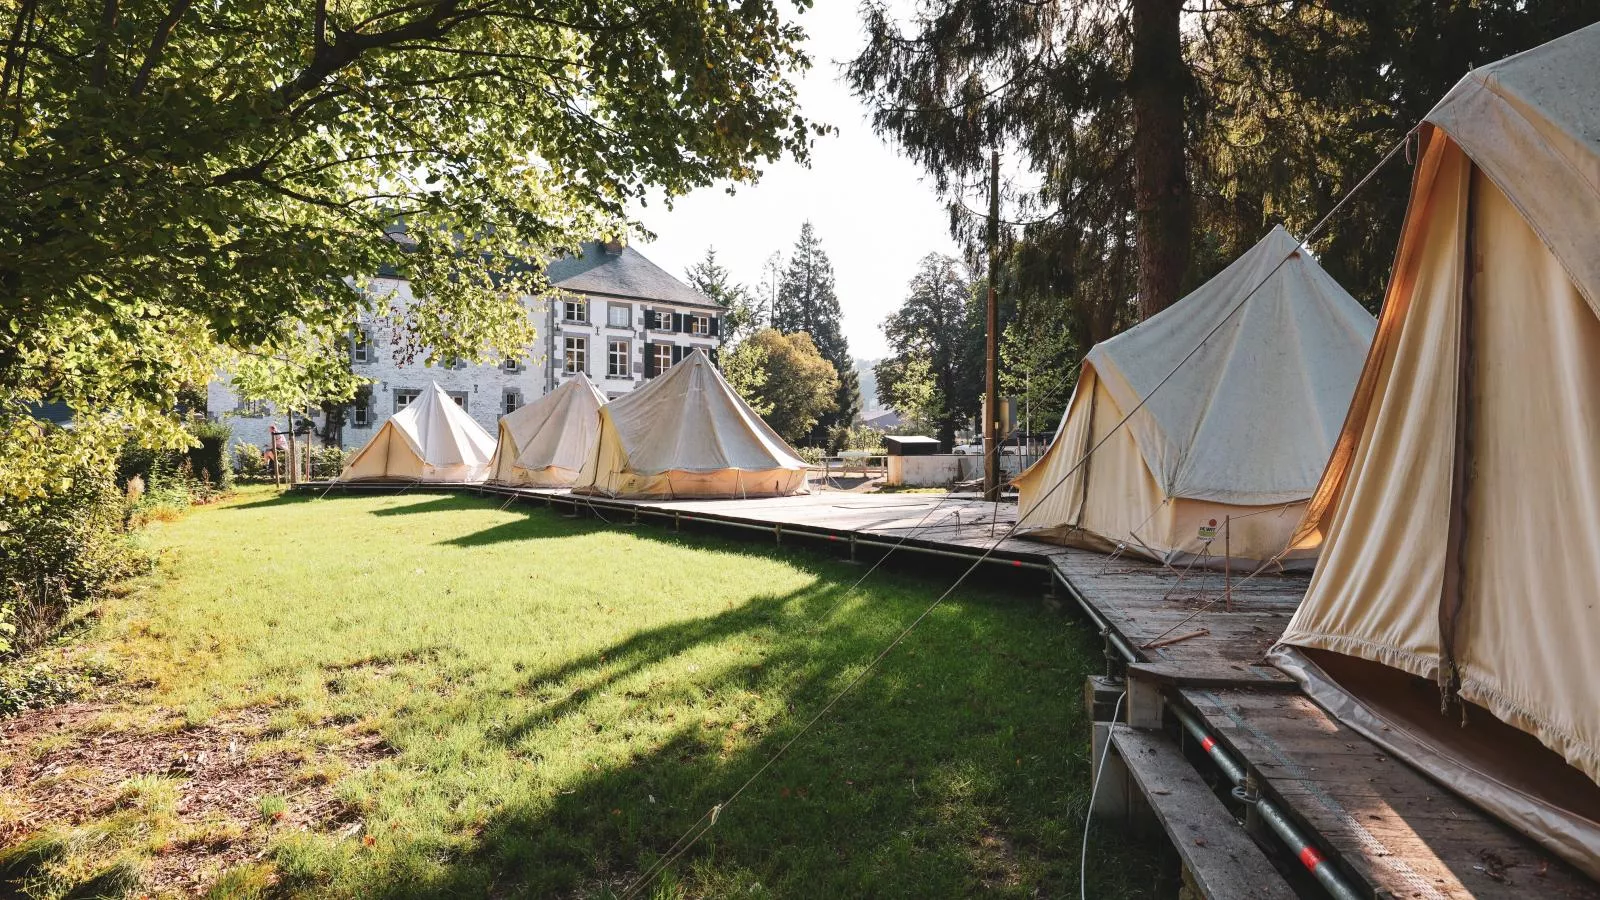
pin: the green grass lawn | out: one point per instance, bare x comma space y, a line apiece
451, 699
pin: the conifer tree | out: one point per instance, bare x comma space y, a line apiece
807, 301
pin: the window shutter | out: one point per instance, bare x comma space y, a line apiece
677, 323
649, 358
716, 326
716, 358
677, 353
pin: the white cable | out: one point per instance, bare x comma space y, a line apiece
1083, 856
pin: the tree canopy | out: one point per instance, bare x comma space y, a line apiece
1271, 111
179, 181
785, 379
808, 301
939, 326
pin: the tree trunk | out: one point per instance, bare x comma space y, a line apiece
1158, 83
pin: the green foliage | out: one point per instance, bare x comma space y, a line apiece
208, 459
185, 184
806, 301
248, 461
856, 437
940, 325
745, 312
1286, 106
63, 552
787, 378
908, 385
745, 369
328, 462
1039, 367
36, 687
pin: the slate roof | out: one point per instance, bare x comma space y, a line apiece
626, 274
594, 271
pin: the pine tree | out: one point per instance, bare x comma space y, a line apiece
746, 313
808, 302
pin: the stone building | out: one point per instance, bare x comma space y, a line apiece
613, 315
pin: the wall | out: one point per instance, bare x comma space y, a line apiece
944, 469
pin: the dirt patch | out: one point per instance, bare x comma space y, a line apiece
66, 770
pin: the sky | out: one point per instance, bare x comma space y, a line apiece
873, 210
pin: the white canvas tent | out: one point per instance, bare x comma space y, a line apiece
545, 443
1459, 517
1229, 449
432, 440
687, 434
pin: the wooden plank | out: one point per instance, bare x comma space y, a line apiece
1391, 826
1213, 675
1224, 860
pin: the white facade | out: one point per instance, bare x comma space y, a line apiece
618, 340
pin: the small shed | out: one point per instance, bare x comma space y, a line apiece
910, 445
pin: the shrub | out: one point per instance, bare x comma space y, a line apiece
856, 437
248, 461
328, 462
209, 460
811, 455
58, 552
35, 688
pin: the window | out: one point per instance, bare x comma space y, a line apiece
619, 315
403, 397
360, 347
460, 398
251, 409
663, 357
575, 310
617, 359
359, 417
509, 402
701, 325
659, 320
577, 356
511, 364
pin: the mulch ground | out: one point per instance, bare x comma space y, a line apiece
66, 772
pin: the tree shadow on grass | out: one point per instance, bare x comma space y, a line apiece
951, 770
436, 502
286, 498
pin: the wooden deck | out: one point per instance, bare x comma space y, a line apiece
1391, 831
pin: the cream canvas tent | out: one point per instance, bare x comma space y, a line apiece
1459, 517
1230, 447
687, 434
432, 439
545, 443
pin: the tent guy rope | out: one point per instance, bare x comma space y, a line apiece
693, 834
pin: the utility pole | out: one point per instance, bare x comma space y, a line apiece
991, 386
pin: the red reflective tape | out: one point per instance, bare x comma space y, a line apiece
1017, 563
1310, 858
833, 537
1207, 742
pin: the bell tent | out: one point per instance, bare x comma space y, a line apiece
1226, 452
687, 434
1459, 516
432, 439
545, 443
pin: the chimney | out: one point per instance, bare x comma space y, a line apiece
613, 247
